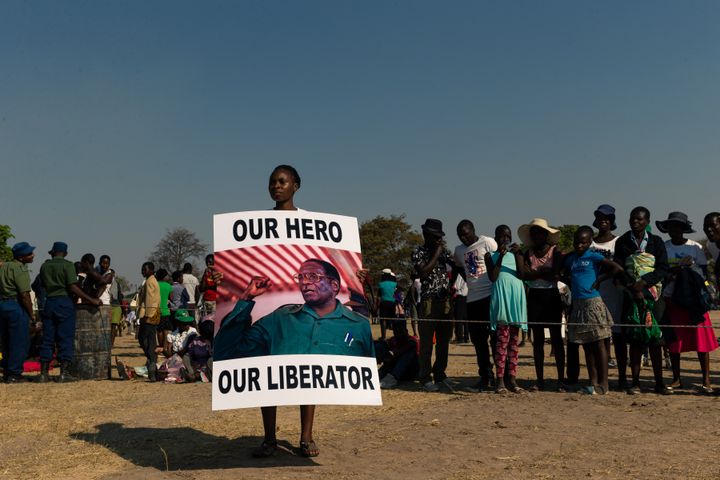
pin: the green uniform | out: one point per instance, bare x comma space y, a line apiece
14, 322
14, 279
292, 330
57, 275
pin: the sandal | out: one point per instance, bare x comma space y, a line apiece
663, 390
266, 449
538, 387
633, 390
706, 389
589, 390
516, 389
676, 384
501, 390
561, 388
309, 449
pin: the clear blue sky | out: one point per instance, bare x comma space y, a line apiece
120, 120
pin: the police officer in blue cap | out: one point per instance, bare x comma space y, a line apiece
16, 310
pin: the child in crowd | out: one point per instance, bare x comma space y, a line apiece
198, 358
508, 306
590, 321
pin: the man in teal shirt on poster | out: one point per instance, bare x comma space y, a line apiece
321, 326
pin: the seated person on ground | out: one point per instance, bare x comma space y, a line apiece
175, 348
198, 359
397, 357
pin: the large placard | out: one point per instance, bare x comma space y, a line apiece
295, 380
281, 272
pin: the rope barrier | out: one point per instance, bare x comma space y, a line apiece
450, 320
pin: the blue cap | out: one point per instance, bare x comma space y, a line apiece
58, 247
608, 211
21, 249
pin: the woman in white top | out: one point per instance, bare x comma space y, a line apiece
612, 295
686, 256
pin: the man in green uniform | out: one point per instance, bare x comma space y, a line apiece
60, 280
321, 326
16, 310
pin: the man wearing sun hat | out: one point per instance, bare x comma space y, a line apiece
432, 262
16, 310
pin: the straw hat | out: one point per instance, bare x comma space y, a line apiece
524, 231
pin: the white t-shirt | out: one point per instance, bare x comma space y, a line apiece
179, 339
676, 254
611, 294
472, 259
190, 282
106, 296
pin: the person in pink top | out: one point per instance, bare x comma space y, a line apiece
542, 263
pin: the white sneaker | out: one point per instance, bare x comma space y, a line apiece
431, 387
388, 381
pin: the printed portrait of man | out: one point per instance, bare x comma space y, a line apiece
321, 325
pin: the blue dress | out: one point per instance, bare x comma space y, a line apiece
508, 305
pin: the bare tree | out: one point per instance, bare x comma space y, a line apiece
176, 248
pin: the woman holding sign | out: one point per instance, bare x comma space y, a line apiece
284, 183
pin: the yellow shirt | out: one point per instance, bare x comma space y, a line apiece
149, 301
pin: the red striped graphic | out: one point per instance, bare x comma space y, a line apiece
279, 263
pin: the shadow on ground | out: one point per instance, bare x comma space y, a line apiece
184, 448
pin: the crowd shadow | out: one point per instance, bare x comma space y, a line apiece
185, 448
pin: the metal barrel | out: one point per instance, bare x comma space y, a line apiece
92, 342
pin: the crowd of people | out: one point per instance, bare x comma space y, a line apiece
38, 318
633, 294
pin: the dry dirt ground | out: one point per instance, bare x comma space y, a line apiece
137, 430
